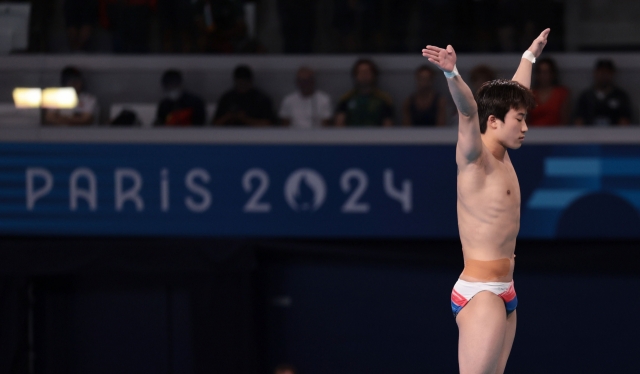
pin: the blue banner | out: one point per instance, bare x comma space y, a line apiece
320, 191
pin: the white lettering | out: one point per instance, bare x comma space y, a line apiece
404, 196
132, 194
90, 195
205, 195
353, 204
254, 205
35, 195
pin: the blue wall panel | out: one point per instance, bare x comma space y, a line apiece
337, 191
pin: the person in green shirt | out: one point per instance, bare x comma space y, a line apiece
365, 104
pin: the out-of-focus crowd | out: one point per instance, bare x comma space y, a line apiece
290, 26
184, 26
244, 104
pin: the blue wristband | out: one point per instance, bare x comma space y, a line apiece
453, 73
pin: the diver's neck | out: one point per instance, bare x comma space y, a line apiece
496, 148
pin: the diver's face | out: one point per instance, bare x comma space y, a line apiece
510, 132
515, 128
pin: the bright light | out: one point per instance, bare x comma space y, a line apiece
59, 98
51, 98
27, 97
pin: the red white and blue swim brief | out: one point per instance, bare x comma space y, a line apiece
464, 291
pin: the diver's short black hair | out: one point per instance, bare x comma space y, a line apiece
497, 97
171, 78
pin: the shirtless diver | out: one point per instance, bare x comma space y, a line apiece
488, 207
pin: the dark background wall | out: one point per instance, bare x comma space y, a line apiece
190, 306
126, 306
389, 315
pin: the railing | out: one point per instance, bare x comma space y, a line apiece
383, 136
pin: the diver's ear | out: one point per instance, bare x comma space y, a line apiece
492, 122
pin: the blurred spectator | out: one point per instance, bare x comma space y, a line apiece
178, 108
129, 22
425, 107
603, 104
477, 20
307, 107
178, 25
244, 105
80, 17
344, 20
358, 23
84, 113
510, 20
438, 21
298, 24
554, 106
224, 24
365, 105
479, 75
285, 369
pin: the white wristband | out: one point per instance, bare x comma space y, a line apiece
453, 73
528, 55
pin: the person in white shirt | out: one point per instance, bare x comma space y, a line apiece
307, 107
84, 113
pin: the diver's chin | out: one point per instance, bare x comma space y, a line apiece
516, 145
519, 142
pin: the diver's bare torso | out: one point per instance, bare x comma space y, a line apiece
488, 211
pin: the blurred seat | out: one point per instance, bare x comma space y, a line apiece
12, 116
145, 112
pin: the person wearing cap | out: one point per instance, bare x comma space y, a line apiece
604, 104
244, 105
